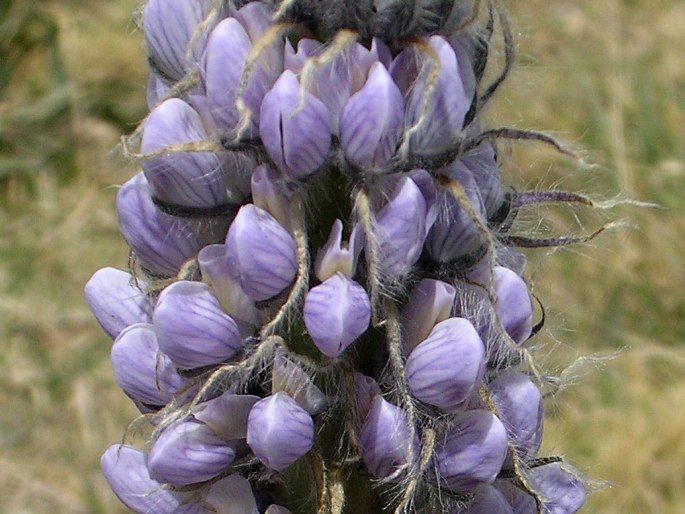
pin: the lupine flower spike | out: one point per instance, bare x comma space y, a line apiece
325, 310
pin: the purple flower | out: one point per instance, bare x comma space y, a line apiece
430, 302
514, 307
116, 302
519, 407
226, 54
161, 243
191, 327
403, 223
336, 313
187, 453
279, 431
126, 471
260, 253
472, 452
561, 490
445, 369
145, 375
169, 29
190, 179
384, 439
294, 127
372, 121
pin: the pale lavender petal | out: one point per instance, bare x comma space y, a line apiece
216, 273
561, 490
295, 131
336, 257
520, 408
365, 390
384, 439
139, 369
514, 306
125, 469
289, 377
446, 368
372, 121
191, 179
187, 453
279, 431
336, 313
472, 452
260, 253
191, 327
521, 502
269, 193
116, 301
156, 91
169, 26
430, 302
231, 495
482, 164
161, 243
434, 126
227, 414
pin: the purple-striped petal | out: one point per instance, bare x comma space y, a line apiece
125, 469
561, 490
169, 27
161, 243
231, 495
260, 253
430, 302
446, 368
269, 194
521, 502
187, 453
514, 306
372, 121
191, 327
289, 377
279, 431
139, 369
190, 179
294, 128
472, 452
384, 439
116, 301
486, 500
433, 125
520, 408
336, 313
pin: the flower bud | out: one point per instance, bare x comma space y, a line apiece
402, 225
269, 195
295, 128
436, 107
514, 307
161, 243
430, 302
384, 439
125, 469
446, 368
372, 121
191, 327
561, 491
279, 431
140, 370
335, 257
519, 407
260, 253
170, 27
336, 313
227, 414
187, 453
472, 452
190, 179
115, 301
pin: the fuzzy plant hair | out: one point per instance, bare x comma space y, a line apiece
326, 308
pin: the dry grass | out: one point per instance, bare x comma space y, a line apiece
608, 76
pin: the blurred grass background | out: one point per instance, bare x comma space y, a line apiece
608, 76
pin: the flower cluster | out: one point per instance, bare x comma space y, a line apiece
325, 306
